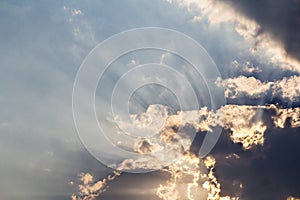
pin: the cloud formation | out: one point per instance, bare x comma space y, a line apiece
240, 86
90, 189
42, 47
244, 123
280, 18
189, 177
286, 89
261, 44
291, 115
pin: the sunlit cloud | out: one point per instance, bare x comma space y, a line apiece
260, 44
286, 89
292, 198
291, 115
244, 123
244, 86
189, 177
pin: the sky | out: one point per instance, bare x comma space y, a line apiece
254, 47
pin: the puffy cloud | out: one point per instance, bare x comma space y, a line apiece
86, 178
249, 136
286, 89
237, 87
89, 189
243, 122
284, 115
188, 175
209, 162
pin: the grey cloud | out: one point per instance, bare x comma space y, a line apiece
280, 18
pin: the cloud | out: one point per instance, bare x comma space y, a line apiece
201, 179
73, 12
281, 19
245, 68
245, 124
260, 44
41, 51
283, 116
249, 137
240, 86
89, 189
145, 146
189, 177
240, 120
83, 32
212, 185
286, 89
271, 169
292, 198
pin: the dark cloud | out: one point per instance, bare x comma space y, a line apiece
266, 172
280, 18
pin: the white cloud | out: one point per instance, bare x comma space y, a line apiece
283, 115
244, 123
89, 189
249, 136
286, 89
241, 86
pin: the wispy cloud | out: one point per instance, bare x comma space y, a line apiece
260, 44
